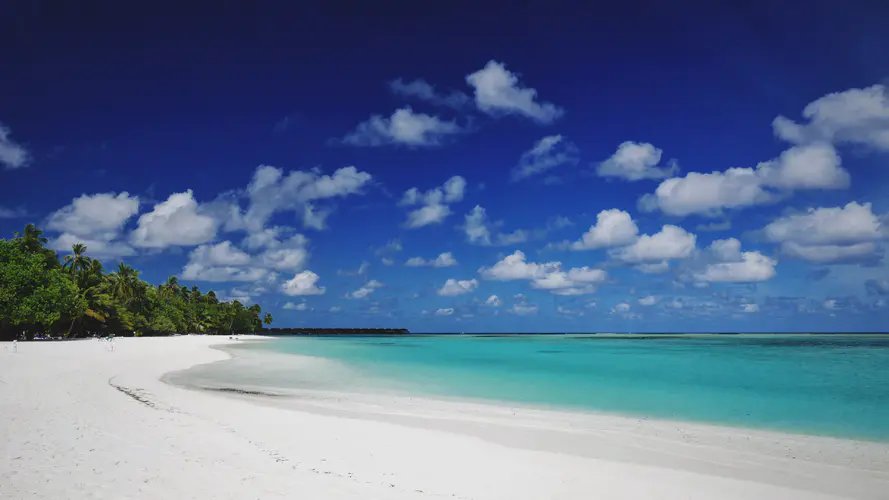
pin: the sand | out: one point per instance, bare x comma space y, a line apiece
80, 421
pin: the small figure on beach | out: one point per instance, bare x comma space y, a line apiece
15, 346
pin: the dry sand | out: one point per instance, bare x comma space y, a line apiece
82, 422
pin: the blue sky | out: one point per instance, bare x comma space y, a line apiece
629, 168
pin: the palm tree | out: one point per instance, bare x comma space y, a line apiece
267, 319
125, 285
170, 289
77, 260
32, 238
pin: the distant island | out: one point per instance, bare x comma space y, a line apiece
334, 331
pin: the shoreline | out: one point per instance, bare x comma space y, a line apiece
405, 393
74, 432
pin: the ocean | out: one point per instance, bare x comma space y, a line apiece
833, 385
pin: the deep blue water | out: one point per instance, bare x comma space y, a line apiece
826, 384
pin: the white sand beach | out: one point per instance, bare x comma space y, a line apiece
80, 421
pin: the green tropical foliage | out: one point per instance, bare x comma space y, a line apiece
76, 297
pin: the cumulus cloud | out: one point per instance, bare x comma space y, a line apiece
174, 222
453, 287
829, 234
270, 192
621, 307
303, 283
422, 90
447, 311
750, 308
648, 301
445, 259
546, 154
493, 301
545, 276
854, 116
634, 161
671, 242
405, 127
225, 262
96, 221
366, 290
575, 281
515, 267
498, 92
480, 231
434, 203
613, 228
12, 154
731, 265
813, 166
302, 306
524, 309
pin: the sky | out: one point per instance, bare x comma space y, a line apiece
477, 167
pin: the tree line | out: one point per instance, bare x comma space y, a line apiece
76, 297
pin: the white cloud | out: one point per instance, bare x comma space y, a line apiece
366, 290
303, 283
96, 245
270, 191
392, 246
426, 215
635, 161
514, 267
498, 92
225, 262
826, 235
815, 166
174, 222
302, 306
546, 154
434, 209
448, 311
831, 304
576, 281
421, 89
493, 301
734, 266
480, 231
648, 301
12, 154
653, 267
96, 221
445, 259
524, 309
98, 213
855, 116
453, 287
387, 261
547, 276
621, 307
750, 308
671, 242
707, 194
404, 127
613, 228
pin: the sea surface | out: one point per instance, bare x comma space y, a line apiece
835, 385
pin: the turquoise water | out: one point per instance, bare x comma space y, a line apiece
834, 385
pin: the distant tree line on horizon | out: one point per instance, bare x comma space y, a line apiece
336, 331
75, 297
